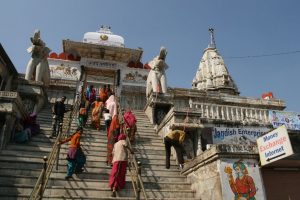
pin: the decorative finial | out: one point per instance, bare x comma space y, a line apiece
105, 29
212, 39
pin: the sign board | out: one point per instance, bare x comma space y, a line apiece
241, 136
275, 145
290, 119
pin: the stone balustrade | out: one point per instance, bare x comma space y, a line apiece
11, 95
8, 94
14, 96
244, 115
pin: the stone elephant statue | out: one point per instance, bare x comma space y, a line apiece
156, 80
38, 67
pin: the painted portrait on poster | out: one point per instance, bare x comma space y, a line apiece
241, 180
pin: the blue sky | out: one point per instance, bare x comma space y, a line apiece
242, 28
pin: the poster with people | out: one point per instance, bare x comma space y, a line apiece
241, 180
241, 136
290, 119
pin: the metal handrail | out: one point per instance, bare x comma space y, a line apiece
40, 186
134, 165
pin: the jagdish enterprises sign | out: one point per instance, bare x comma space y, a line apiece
244, 135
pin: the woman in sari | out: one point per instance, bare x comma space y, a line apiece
113, 132
75, 156
31, 123
96, 113
118, 172
102, 94
82, 117
111, 105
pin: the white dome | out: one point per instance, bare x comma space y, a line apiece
104, 37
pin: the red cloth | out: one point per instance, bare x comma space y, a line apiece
244, 186
118, 175
112, 137
129, 118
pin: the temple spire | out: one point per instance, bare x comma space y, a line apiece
212, 73
212, 43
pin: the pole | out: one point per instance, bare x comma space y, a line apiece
139, 172
43, 177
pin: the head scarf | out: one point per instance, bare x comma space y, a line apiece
110, 99
122, 136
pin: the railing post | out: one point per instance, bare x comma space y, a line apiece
139, 172
43, 177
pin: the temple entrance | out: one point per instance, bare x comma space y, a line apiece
99, 78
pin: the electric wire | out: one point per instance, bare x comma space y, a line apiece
262, 55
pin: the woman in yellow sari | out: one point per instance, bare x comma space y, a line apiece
96, 113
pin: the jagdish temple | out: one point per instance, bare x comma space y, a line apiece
235, 147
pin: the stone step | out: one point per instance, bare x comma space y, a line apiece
21, 164
103, 175
119, 198
75, 182
63, 153
88, 148
90, 166
94, 192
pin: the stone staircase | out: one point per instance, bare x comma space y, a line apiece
20, 165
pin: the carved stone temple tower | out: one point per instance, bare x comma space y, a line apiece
212, 73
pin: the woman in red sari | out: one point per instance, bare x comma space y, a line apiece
96, 113
118, 172
113, 133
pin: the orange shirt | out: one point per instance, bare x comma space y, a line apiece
75, 140
82, 111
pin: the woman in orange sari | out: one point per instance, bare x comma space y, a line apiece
112, 137
102, 94
96, 113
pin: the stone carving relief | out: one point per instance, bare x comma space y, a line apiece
29, 105
135, 77
38, 67
64, 71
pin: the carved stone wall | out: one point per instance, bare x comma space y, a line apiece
206, 182
133, 97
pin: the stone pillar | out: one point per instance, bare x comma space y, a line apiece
6, 131
242, 114
227, 113
202, 110
199, 145
33, 95
157, 107
222, 112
